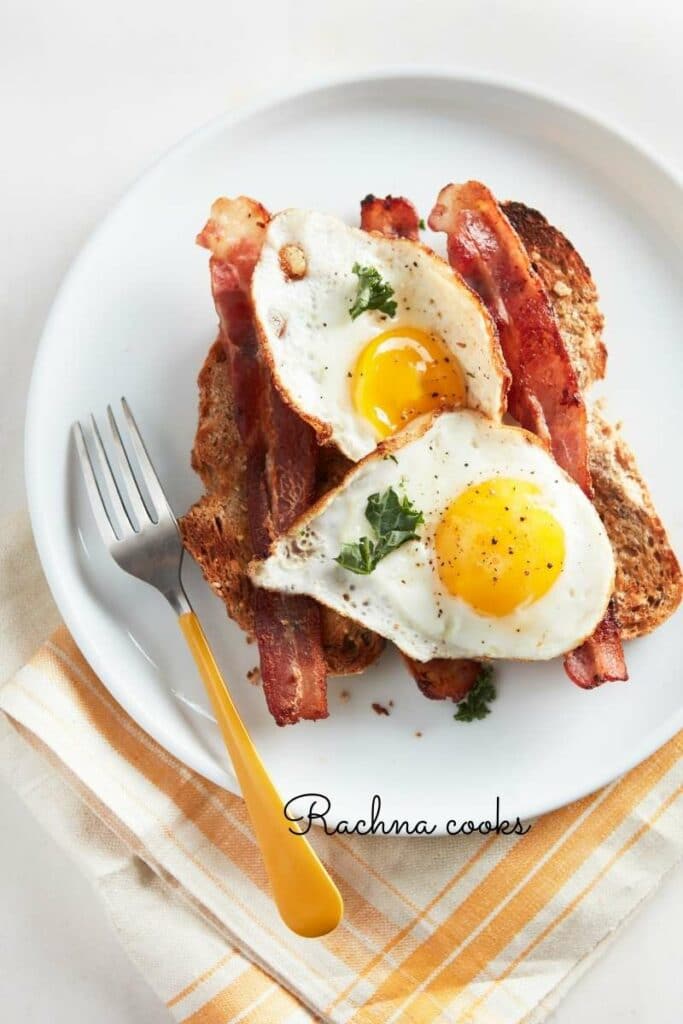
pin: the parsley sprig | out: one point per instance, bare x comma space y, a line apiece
476, 703
373, 292
393, 521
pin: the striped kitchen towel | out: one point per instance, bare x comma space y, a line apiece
469, 929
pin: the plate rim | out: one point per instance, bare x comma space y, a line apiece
40, 522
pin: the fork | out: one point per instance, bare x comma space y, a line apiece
147, 544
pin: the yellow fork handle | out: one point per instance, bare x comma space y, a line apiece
307, 898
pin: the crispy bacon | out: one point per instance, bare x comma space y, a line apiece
444, 678
601, 658
440, 678
281, 460
393, 216
544, 396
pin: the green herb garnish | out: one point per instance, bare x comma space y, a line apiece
423, 226
359, 557
475, 704
373, 292
393, 521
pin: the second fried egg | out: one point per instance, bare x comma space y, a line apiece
459, 538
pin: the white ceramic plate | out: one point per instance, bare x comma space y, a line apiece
135, 317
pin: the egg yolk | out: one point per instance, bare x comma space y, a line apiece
402, 373
497, 548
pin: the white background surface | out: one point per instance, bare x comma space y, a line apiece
90, 95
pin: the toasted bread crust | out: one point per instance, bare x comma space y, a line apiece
215, 530
571, 289
649, 585
212, 534
218, 455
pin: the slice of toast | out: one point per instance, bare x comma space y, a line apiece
571, 289
649, 584
216, 531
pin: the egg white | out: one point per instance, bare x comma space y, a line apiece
312, 343
403, 599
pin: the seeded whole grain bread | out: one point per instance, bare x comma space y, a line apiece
215, 528
571, 289
649, 585
216, 531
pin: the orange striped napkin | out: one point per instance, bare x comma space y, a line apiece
469, 929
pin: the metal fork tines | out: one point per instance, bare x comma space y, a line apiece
144, 541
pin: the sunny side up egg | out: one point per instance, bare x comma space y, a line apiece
505, 556
357, 373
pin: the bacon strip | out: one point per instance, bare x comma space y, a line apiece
601, 658
444, 678
544, 395
393, 217
281, 460
440, 678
